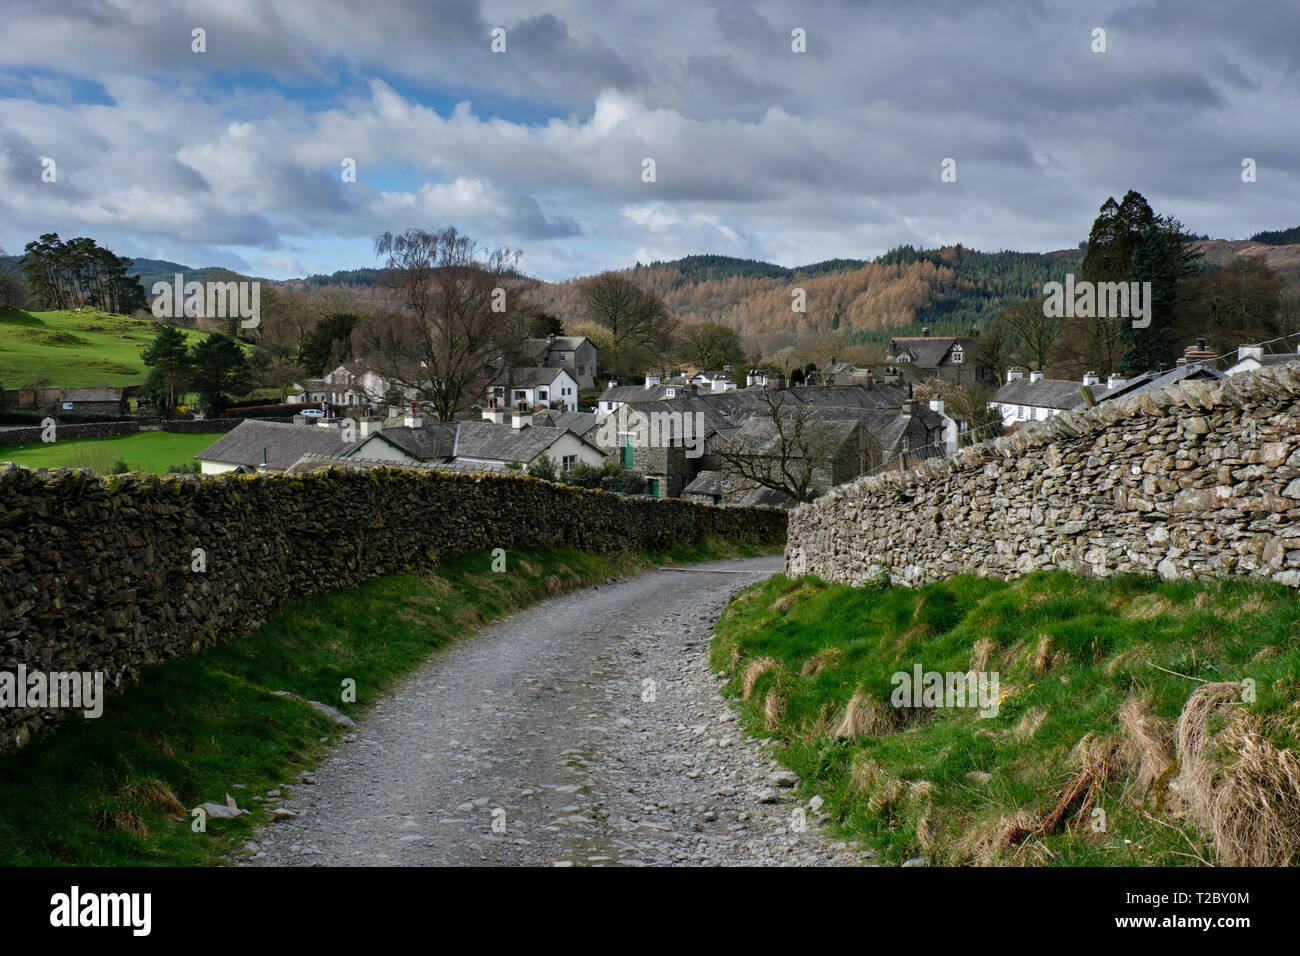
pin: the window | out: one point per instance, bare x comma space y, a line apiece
957, 355
717, 499
569, 461
582, 370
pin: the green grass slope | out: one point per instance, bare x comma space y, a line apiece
73, 349
153, 451
1086, 761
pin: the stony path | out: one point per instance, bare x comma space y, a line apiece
587, 730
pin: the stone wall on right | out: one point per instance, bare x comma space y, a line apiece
1195, 480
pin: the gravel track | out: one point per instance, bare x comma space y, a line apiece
586, 730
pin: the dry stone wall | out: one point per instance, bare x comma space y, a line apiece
100, 574
1191, 481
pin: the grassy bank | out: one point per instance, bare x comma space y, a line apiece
1122, 735
115, 791
74, 349
153, 451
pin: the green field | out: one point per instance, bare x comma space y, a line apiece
144, 451
74, 349
117, 790
1138, 722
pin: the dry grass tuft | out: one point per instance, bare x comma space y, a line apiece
819, 660
756, 669
1144, 607
1252, 605
1235, 784
128, 822
1046, 656
1029, 723
156, 795
979, 654
1147, 742
866, 716
773, 707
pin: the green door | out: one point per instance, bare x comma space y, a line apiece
654, 488
627, 451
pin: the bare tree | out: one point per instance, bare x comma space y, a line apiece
641, 327
794, 450
456, 309
1036, 331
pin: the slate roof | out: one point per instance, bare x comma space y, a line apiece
319, 462
528, 377
284, 444
91, 394
1065, 395
636, 393
577, 422
436, 440
768, 497
930, 351
705, 483
503, 443
1055, 393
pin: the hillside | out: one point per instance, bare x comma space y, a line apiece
1284, 259
947, 290
73, 349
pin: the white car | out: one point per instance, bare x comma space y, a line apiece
312, 413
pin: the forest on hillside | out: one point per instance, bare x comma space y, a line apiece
947, 289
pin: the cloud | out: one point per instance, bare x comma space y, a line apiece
759, 151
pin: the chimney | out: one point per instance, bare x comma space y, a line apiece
1090, 378
1015, 373
1250, 351
521, 418
776, 382
909, 407
651, 381
1114, 381
936, 405
925, 332
412, 418
1036, 375
1196, 354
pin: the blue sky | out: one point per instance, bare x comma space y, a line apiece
232, 156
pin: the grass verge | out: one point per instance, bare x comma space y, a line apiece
1125, 732
152, 451
116, 790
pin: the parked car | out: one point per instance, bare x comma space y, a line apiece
312, 413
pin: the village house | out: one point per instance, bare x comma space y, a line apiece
952, 358
528, 388
95, 401
1251, 357
257, 446
573, 353
1035, 398
476, 443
